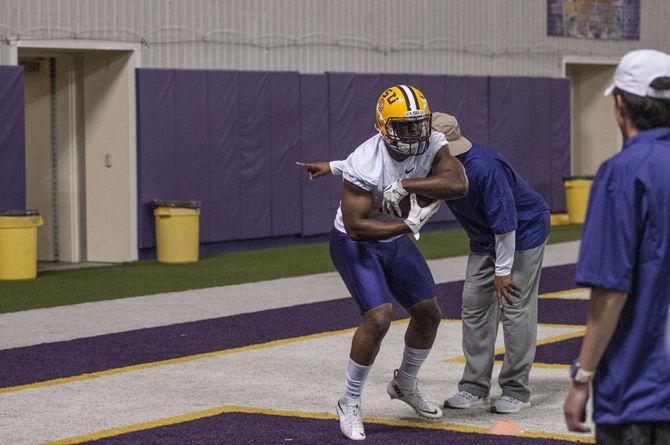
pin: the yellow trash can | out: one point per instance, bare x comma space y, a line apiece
577, 189
177, 231
18, 244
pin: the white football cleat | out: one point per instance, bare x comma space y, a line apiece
351, 423
413, 397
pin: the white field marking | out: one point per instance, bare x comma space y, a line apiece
105, 317
305, 375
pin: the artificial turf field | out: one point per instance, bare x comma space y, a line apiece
260, 362
57, 288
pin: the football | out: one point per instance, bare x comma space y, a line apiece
405, 205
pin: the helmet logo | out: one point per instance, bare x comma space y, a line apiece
390, 96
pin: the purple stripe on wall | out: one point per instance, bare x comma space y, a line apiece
527, 124
191, 142
473, 117
510, 123
62, 359
285, 178
317, 213
156, 135
272, 429
254, 148
537, 162
222, 207
559, 141
12, 139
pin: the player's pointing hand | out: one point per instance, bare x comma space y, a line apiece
315, 169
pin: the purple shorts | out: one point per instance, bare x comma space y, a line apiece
375, 271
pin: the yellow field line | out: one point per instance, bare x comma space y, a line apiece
567, 294
544, 341
300, 414
190, 358
186, 359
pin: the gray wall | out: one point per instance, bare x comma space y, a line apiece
489, 37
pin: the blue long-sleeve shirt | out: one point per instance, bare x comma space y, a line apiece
498, 201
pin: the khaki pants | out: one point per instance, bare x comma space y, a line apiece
519, 320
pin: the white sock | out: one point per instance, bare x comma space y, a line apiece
356, 377
412, 359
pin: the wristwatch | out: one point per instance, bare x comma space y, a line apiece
579, 375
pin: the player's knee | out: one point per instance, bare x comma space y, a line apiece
380, 325
432, 320
378, 322
428, 320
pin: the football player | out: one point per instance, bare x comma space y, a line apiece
373, 254
508, 224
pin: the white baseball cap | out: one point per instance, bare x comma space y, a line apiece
638, 69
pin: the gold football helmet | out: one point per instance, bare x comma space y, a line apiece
403, 118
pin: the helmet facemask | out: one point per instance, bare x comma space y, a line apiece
408, 137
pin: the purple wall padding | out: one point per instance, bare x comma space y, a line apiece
317, 212
156, 151
12, 139
225, 160
539, 161
254, 148
228, 139
191, 147
560, 141
285, 124
231, 139
528, 121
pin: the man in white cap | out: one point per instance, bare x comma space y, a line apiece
508, 224
625, 260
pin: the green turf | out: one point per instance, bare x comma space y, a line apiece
57, 288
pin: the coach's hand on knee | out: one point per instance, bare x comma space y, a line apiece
505, 288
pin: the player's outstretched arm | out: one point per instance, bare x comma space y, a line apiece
315, 169
447, 181
356, 204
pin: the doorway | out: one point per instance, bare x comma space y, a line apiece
54, 154
80, 149
595, 134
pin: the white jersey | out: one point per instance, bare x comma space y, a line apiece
372, 168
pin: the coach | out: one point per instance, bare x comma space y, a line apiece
625, 259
